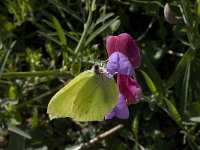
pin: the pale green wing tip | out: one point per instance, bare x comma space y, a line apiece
51, 117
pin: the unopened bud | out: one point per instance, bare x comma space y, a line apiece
170, 15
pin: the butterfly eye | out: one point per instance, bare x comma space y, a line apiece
96, 69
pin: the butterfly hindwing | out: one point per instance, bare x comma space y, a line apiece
97, 97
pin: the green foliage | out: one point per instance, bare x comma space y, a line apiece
45, 43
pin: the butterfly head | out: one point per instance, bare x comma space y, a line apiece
99, 70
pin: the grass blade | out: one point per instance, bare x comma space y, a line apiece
5, 58
104, 17
184, 90
59, 31
66, 9
18, 131
178, 72
135, 128
99, 30
173, 111
150, 84
154, 75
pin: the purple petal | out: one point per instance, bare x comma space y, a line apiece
120, 110
125, 44
130, 89
109, 115
119, 63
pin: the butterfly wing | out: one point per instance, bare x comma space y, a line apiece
61, 104
97, 97
88, 97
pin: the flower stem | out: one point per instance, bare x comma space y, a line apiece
33, 74
84, 34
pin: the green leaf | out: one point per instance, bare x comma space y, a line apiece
99, 30
18, 131
154, 75
104, 17
72, 35
150, 83
178, 72
93, 7
135, 128
59, 31
35, 120
188, 18
5, 58
148, 2
75, 68
66, 9
50, 38
115, 25
173, 111
184, 90
198, 11
16, 142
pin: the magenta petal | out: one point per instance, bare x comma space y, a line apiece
129, 88
119, 63
120, 110
125, 44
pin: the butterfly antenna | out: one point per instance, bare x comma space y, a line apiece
103, 62
96, 47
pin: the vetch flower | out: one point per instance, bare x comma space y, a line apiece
124, 44
124, 56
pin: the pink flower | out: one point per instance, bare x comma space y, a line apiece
124, 44
124, 56
129, 88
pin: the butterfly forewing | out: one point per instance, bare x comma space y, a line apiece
61, 103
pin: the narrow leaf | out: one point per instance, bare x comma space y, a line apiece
5, 58
66, 9
135, 128
99, 30
178, 72
104, 17
59, 31
16, 142
154, 75
173, 111
198, 11
50, 38
184, 90
18, 131
35, 120
150, 83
